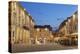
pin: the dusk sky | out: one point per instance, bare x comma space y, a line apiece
49, 14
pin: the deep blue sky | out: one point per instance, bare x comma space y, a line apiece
49, 14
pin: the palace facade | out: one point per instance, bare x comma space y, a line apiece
20, 24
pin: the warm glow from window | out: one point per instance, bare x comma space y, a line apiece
38, 29
73, 17
68, 20
51, 36
46, 29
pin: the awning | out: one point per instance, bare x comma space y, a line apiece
74, 34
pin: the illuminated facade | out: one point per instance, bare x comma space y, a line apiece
20, 24
69, 27
42, 34
22, 28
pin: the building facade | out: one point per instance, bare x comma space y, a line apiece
69, 27
20, 24
42, 34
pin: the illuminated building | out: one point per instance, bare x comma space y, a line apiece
42, 34
20, 24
